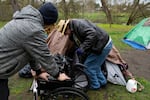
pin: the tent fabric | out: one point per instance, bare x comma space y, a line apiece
139, 36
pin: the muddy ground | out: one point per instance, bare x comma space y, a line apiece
138, 61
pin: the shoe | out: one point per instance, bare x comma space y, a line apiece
25, 72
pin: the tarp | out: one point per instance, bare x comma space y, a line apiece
139, 36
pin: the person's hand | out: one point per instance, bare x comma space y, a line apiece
62, 77
44, 75
33, 73
79, 51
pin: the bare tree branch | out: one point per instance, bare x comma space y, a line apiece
15, 5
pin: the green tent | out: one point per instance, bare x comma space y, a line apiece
139, 36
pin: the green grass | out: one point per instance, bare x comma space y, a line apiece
19, 87
117, 33
99, 17
15, 88
96, 17
2, 23
19, 91
116, 92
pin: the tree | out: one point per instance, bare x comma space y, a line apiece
134, 11
107, 12
15, 5
69, 9
65, 9
138, 11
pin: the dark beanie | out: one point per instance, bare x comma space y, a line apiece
49, 13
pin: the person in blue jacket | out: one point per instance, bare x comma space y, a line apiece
93, 45
23, 39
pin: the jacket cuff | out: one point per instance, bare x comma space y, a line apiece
38, 72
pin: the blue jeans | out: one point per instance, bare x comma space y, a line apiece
93, 67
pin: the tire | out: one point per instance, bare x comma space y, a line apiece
66, 93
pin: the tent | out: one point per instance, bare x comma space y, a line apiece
139, 36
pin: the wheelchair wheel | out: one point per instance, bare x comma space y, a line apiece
80, 78
65, 93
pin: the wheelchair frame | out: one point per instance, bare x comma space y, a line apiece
75, 87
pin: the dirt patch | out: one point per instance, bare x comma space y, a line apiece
138, 61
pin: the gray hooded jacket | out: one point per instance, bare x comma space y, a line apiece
24, 38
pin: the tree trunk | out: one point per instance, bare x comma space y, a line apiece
32, 2
65, 9
107, 12
15, 5
133, 13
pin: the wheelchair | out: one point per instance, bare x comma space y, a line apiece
72, 89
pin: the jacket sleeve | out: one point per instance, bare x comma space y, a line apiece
36, 46
88, 37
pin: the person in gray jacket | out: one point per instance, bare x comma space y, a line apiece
93, 45
23, 39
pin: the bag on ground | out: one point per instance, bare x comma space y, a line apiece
114, 74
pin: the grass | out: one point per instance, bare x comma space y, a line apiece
96, 17
19, 91
99, 17
116, 92
19, 87
2, 23
117, 33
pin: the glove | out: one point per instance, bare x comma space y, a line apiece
79, 51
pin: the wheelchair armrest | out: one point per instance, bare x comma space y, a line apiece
53, 84
79, 65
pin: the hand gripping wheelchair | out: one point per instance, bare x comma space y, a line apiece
73, 89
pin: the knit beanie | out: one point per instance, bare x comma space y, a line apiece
49, 13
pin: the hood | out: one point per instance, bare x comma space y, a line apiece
29, 12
